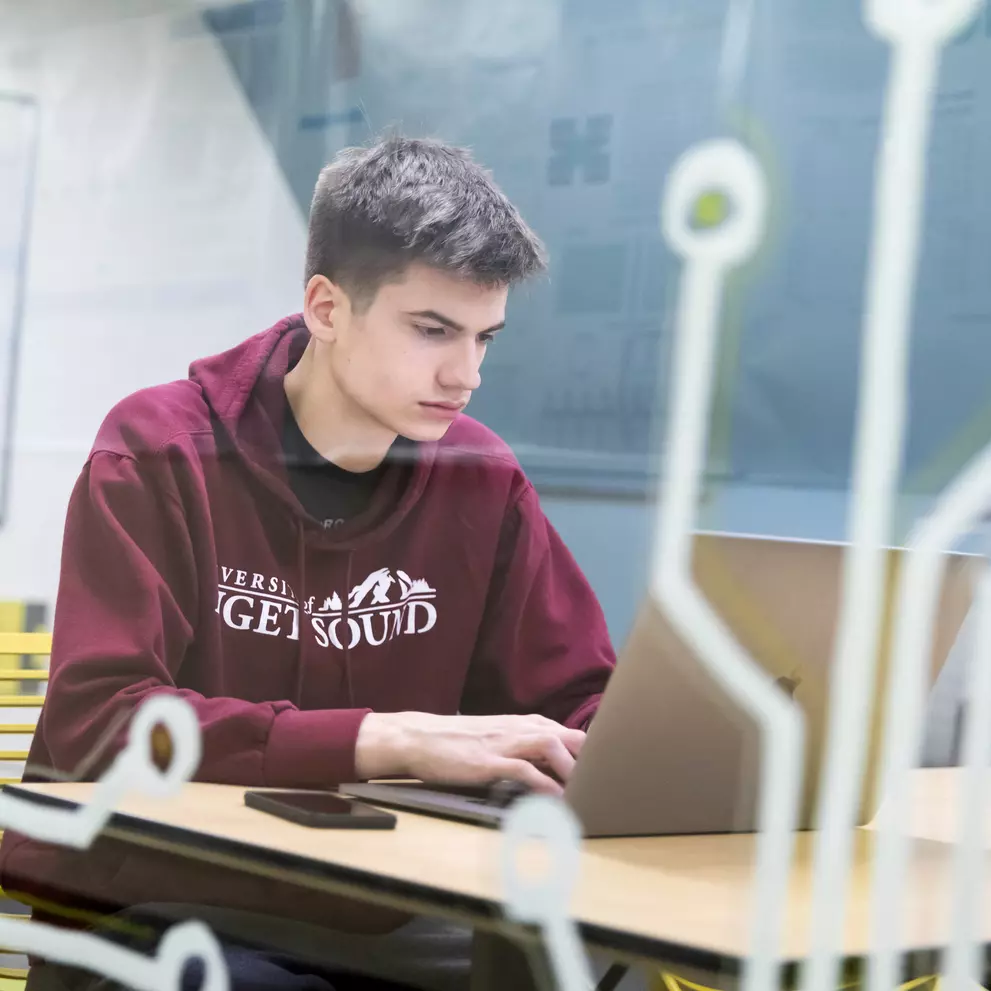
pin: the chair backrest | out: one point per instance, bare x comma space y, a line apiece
19, 710
19, 713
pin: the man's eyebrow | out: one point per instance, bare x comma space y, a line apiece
448, 322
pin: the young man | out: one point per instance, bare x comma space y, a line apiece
311, 543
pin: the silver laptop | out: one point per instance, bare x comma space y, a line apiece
669, 752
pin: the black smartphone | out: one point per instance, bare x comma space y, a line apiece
319, 809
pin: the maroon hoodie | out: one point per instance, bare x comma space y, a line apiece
190, 567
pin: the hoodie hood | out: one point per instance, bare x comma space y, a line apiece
244, 390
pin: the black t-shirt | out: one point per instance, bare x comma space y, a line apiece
329, 493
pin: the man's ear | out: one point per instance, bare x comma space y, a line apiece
326, 308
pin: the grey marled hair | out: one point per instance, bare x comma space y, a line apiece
376, 210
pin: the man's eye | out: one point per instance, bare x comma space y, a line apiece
486, 338
431, 331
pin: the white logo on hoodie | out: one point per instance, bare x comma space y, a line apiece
380, 608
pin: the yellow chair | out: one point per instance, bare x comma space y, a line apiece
13, 647
668, 981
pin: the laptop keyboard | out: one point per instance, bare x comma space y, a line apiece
499, 794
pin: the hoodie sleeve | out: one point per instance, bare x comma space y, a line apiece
125, 616
543, 646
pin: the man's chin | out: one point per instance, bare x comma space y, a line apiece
424, 433
423, 425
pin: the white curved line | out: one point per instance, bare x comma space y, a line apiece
544, 901
708, 255
956, 513
916, 29
133, 770
181, 944
735, 47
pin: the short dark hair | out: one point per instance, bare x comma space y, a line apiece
376, 210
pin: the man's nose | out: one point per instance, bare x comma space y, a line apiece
463, 371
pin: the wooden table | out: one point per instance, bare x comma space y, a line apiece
682, 901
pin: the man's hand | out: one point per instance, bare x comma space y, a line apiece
467, 749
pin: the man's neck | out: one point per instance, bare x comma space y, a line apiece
331, 423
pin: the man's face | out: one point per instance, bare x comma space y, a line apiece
411, 360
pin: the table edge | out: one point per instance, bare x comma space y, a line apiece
602, 937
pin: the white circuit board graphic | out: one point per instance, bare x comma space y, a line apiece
916, 31
133, 771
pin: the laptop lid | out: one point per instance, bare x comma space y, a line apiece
669, 752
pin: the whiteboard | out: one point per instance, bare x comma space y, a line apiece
18, 137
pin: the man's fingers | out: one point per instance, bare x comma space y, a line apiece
549, 751
523, 771
574, 740
531, 749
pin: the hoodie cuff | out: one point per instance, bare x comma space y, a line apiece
582, 717
312, 748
